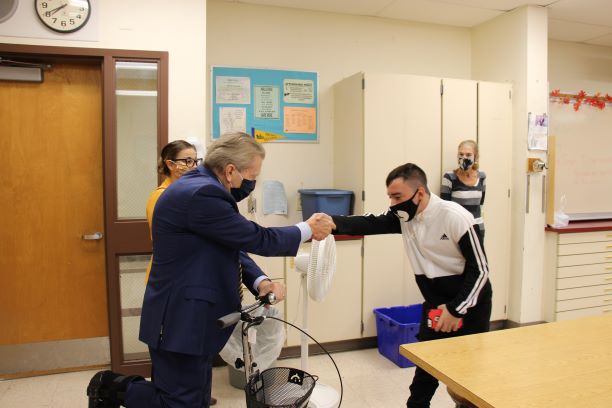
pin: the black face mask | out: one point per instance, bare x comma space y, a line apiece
242, 192
406, 210
465, 163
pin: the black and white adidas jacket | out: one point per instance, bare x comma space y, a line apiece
444, 248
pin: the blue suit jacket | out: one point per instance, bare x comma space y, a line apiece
198, 236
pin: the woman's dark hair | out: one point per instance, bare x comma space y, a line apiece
409, 172
169, 152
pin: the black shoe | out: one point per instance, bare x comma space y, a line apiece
98, 390
107, 389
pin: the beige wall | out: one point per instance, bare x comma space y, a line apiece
336, 46
153, 25
573, 67
513, 48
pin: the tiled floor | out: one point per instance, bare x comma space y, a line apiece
370, 381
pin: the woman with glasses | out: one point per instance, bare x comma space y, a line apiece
176, 159
466, 185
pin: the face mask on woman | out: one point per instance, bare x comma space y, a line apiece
465, 163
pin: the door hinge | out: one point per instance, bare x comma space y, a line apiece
362, 83
362, 195
508, 193
510, 94
441, 89
505, 309
362, 328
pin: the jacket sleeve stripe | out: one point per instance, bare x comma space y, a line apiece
483, 269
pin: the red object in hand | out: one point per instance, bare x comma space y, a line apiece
434, 315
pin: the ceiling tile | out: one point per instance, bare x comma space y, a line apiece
428, 11
596, 12
577, 32
356, 7
605, 40
505, 5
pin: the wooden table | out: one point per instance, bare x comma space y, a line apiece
560, 364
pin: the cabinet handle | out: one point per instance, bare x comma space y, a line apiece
608, 267
609, 279
607, 311
609, 235
608, 290
608, 256
607, 300
609, 246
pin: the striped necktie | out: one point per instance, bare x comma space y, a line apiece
240, 283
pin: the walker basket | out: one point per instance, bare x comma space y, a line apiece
280, 387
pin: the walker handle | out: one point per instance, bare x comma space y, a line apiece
228, 320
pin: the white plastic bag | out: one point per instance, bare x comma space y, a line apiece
270, 338
561, 218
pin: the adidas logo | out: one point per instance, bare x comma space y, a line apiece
443, 237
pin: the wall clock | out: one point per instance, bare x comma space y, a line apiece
63, 16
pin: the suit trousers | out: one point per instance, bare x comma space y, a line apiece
178, 381
424, 385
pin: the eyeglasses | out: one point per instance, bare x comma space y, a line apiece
189, 162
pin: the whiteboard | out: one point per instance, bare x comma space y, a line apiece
583, 166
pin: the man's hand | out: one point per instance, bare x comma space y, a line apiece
266, 286
447, 322
321, 225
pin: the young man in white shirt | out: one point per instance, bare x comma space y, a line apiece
445, 249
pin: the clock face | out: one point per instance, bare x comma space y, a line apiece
64, 16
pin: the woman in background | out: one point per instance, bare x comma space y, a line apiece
466, 185
176, 158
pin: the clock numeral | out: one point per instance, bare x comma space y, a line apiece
72, 21
54, 20
47, 14
63, 23
78, 16
44, 5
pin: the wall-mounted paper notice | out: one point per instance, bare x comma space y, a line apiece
537, 131
233, 90
300, 120
232, 120
274, 198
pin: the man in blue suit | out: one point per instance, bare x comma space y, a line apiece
200, 242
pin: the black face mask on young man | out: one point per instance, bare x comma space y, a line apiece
406, 210
242, 192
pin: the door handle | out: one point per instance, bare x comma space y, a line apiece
96, 236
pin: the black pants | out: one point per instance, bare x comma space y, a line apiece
424, 385
179, 381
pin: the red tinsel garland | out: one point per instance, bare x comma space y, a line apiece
581, 98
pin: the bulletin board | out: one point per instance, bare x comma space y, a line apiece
272, 105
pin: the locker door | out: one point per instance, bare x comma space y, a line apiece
495, 143
401, 124
459, 120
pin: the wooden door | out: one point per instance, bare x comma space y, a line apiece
495, 144
52, 280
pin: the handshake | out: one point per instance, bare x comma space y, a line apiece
321, 225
